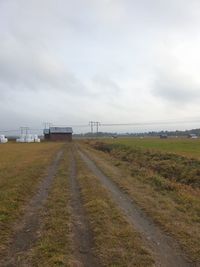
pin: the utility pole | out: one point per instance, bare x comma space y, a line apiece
94, 123
24, 130
47, 125
91, 123
97, 126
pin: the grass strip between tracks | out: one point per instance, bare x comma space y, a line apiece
54, 245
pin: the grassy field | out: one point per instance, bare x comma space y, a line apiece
22, 166
182, 146
165, 185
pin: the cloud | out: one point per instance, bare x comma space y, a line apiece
176, 86
68, 61
23, 68
105, 86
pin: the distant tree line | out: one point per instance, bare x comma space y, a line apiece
151, 133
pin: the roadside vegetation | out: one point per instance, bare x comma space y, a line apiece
165, 185
115, 241
173, 167
54, 245
22, 166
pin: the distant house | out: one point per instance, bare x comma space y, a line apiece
163, 136
58, 134
193, 136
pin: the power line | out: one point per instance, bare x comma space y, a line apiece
97, 124
5, 131
149, 123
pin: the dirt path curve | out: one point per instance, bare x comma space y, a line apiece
26, 230
82, 239
166, 250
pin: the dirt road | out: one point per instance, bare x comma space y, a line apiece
166, 250
27, 229
82, 239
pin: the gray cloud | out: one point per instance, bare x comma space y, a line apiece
67, 61
23, 68
106, 86
176, 88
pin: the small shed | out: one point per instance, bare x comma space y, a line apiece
58, 134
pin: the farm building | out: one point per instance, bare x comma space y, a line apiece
58, 134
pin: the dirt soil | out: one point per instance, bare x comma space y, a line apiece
166, 250
82, 238
26, 231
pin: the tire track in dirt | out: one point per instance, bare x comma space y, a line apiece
166, 250
26, 231
82, 239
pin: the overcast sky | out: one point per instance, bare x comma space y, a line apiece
69, 62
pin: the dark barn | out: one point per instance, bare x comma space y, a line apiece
58, 134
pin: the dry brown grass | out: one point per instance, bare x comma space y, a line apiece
54, 247
174, 206
22, 166
115, 241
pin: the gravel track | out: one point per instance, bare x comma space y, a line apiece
166, 250
82, 239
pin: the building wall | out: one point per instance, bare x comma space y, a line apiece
46, 137
61, 137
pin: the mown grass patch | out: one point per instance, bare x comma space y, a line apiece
115, 241
54, 246
22, 166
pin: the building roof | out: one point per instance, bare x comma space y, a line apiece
61, 130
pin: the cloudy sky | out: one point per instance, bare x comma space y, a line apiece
113, 61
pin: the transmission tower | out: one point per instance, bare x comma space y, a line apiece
47, 125
24, 130
93, 124
97, 123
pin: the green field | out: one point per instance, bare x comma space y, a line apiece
182, 146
